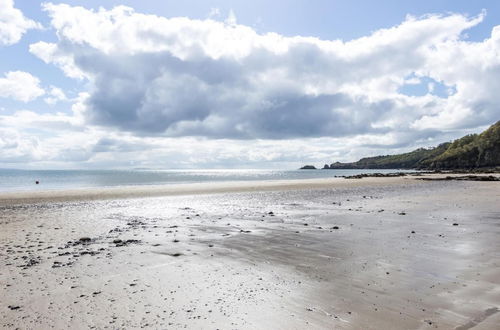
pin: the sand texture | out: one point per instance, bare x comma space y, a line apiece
375, 253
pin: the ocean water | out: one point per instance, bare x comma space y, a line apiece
24, 180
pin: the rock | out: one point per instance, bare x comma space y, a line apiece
31, 262
335, 227
413, 232
464, 178
127, 242
117, 241
374, 175
85, 240
90, 253
308, 167
326, 167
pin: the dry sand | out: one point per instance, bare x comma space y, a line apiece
376, 253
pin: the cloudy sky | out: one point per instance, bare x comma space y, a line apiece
241, 84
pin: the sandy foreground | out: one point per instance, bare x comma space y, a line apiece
375, 253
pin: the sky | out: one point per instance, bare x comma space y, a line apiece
241, 84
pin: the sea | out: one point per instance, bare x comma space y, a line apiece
14, 180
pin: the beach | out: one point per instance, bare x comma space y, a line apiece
371, 253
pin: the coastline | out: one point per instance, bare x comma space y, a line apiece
144, 191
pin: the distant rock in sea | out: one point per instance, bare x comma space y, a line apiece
308, 167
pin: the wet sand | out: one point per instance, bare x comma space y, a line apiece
375, 253
30, 197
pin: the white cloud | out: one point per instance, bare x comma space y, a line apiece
51, 123
64, 140
20, 86
50, 53
55, 95
214, 13
182, 93
28, 137
16, 148
181, 77
13, 24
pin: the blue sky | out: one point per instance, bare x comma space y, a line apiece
325, 19
371, 80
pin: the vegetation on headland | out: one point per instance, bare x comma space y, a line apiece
470, 152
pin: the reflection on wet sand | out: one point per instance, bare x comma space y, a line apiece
364, 256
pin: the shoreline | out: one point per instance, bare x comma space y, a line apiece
144, 191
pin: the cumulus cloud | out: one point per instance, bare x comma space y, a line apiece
64, 140
51, 123
156, 76
20, 86
13, 24
54, 138
55, 95
16, 148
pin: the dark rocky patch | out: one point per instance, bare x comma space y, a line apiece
464, 178
127, 242
375, 175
